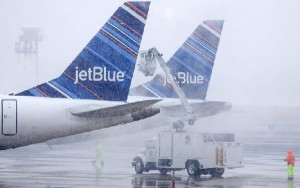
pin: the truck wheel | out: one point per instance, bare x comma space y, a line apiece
163, 171
139, 166
192, 168
217, 172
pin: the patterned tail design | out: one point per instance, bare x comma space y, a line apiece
103, 70
192, 65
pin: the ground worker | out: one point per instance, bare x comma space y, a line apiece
290, 159
99, 155
98, 162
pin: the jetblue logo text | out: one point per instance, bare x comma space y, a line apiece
98, 74
186, 78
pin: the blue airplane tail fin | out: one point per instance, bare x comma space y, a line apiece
103, 70
191, 65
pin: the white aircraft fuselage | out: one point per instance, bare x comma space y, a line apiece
29, 120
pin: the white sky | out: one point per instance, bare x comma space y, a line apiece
258, 61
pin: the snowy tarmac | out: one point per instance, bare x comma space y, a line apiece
71, 165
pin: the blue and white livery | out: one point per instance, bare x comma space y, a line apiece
99, 79
191, 65
106, 63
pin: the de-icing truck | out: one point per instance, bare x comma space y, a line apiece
177, 150
198, 153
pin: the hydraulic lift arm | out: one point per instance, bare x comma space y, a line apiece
147, 64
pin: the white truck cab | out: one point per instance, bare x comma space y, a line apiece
199, 153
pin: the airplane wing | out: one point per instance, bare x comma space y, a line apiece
112, 111
201, 109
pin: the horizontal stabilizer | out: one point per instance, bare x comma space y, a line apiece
94, 111
201, 109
